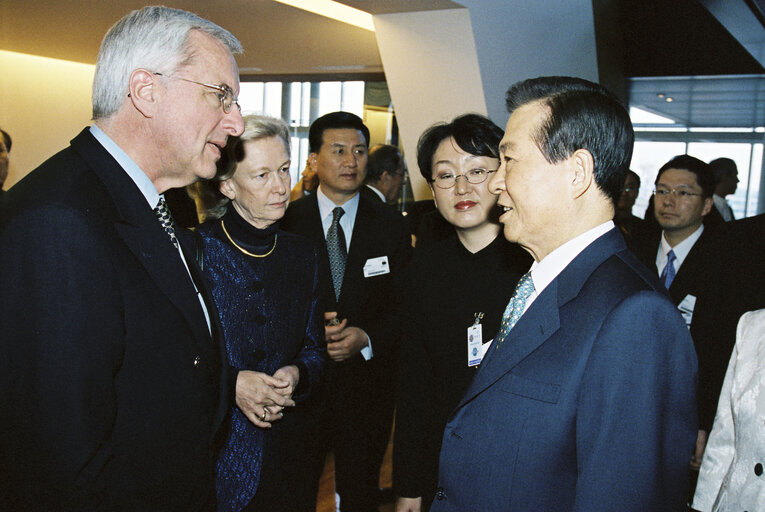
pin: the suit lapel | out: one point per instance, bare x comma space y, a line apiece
361, 239
542, 319
138, 227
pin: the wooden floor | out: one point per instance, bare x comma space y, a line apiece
325, 502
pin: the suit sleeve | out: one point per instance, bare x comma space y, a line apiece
636, 422
61, 347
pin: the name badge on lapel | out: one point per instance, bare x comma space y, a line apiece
686, 309
376, 266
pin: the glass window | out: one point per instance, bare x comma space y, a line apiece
739, 153
647, 158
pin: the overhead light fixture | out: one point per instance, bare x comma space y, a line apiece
334, 10
669, 99
660, 95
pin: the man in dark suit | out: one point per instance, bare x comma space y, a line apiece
363, 247
113, 378
725, 175
687, 257
385, 174
585, 400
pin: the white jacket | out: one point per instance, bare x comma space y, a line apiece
732, 473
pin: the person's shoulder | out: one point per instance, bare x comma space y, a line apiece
295, 242
299, 211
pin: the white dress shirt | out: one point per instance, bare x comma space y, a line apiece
723, 207
681, 250
347, 221
544, 272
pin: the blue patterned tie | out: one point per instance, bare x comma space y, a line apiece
337, 250
668, 274
163, 214
515, 307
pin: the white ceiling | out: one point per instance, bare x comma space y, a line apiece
284, 41
278, 39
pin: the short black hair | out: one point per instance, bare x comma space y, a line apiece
381, 158
703, 173
334, 120
721, 167
581, 115
7, 140
635, 175
473, 133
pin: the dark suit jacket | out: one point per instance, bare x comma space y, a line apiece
697, 277
111, 385
367, 302
588, 405
367, 192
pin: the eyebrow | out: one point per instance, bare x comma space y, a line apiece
505, 146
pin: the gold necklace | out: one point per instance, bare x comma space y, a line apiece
242, 249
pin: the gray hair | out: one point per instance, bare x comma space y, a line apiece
214, 203
154, 38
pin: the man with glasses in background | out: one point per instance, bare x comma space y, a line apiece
686, 257
114, 382
385, 174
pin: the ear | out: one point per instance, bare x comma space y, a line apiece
708, 205
142, 93
433, 193
582, 172
312, 162
227, 189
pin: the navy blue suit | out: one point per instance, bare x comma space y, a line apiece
588, 405
111, 386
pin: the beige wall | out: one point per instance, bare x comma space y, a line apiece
44, 103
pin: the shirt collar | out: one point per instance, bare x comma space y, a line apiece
350, 207
379, 194
681, 250
139, 177
545, 271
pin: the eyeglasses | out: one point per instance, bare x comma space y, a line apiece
662, 192
224, 93
473, 176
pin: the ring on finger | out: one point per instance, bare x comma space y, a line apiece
264, 415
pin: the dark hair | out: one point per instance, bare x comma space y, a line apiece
581, 115
7, 139
473, 133
632, 173
334, 120
382, 157
691, 164
721, 167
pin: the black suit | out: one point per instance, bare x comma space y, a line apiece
356, 409
111, 387
696, 277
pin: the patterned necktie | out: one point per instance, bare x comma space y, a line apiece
515, 307
668, 274
337, 250
163, 214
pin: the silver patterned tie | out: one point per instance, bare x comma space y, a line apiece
337, 250
515, 307
163, 214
